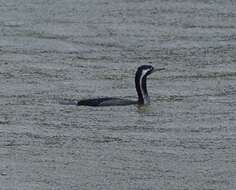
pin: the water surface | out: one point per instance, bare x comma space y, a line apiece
55, 51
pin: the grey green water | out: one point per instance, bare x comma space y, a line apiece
54, 51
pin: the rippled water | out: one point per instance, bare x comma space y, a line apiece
53, 51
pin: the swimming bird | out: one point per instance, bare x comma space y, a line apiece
141, 88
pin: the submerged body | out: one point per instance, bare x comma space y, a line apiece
107, 101
141, 88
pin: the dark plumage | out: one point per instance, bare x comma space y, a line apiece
141, 88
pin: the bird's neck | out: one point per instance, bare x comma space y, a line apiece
141, 88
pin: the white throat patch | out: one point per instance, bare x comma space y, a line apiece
145, 97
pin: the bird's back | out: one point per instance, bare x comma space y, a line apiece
107, 101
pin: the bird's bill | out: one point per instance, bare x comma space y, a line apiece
158, 69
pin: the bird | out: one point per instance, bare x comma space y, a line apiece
141, 87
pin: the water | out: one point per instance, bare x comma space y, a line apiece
54, 51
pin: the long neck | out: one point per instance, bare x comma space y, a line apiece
141, 88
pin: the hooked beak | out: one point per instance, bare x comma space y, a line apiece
157, 69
